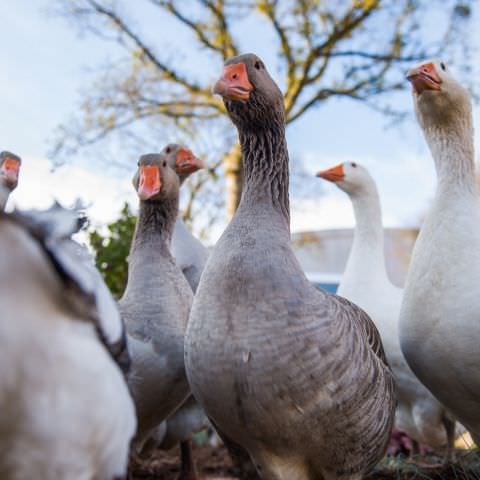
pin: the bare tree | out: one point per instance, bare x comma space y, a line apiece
357, 49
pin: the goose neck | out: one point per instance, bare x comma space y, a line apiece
453, 154
266, 175
4, 194
150, 246
367, 250
155, 225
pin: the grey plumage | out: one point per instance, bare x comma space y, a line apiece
155, 307
189, 252
296, 376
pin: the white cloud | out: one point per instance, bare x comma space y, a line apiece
39, 186
405, 181
328, 211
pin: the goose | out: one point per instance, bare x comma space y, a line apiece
439, 326
9, 171
190, 255
112, 327
156, 302
66, 409
189, 252
365, 282
294, 375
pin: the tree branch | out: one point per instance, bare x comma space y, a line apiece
147, 52
351, 92
269, 10
341, 30
195, 27
229, 48
377, 56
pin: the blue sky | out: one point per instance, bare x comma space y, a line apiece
45, 63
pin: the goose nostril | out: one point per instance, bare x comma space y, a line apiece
234, 76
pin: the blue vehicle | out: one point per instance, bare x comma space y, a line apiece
325, 281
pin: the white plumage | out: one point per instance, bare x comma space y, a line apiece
439, 327
366, 283
66, 410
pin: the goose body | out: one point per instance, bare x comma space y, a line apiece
365, 282
179, 427
294, 375
439, 316
66, 410
189, 252
156, 302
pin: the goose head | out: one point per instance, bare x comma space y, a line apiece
439, 99
350, 177
9, 170
251, 97
182, 160
155, 179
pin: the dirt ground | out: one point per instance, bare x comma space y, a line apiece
213, 463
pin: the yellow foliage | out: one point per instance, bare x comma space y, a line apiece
366, 4
264, 6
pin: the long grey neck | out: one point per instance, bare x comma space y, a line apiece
367, 252
265, 163
153, 234
4, 194
453, 152
179, 219
155, 224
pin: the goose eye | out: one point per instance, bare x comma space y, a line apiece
442, 65
168, 150
258, 65
354, 165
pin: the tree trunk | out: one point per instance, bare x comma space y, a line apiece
234, 177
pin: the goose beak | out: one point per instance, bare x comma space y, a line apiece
187, 162
424, 77
334, 174
234, 83
149, 183
10, 169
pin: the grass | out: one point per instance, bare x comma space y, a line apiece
431, 467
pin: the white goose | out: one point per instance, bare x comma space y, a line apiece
439, 319
66, 409
365, 282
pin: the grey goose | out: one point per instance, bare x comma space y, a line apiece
294, 375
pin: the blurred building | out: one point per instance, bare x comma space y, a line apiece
323, 254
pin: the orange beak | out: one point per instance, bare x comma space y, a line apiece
424, 77
334, 174
187, 162
234, 83
149, 183
10, 169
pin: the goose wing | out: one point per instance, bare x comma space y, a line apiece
85, 290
